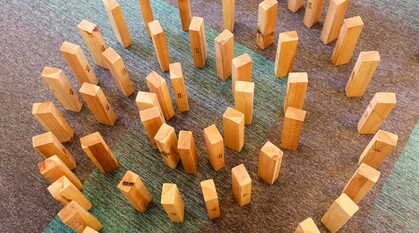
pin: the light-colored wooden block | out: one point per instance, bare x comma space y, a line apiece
146, 100
94, 41
292, 127
53, 169
198, 41
266, 23
152, 121
64, 192
172, 202
229, 14
117, 20
243, 100
214, 144
166, 141
75, 58
52, 120
119, 72
77, 218
187, 152
380, 146
307, 226
211, 198
90, 230
285, 53
147, 13
160, 45
224, 53
58, 83
185, 14
156, 84
295, 5
178, 84
99, 152
134, 190
313, 11
47, 144
361, 75
241, 184
334, 19
377, 111
361, 182
296, 90
348, 37
233, 122
241, 70
98, 104
339, 213
270, 159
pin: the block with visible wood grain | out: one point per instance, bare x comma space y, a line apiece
147, 14
347, 39
296, 90
295, 5
119, 26
241, 70
334, 19
172, 202
156, 84
361, 75
211, 198
229, 14
167, 143
307, 226
90, 230
292, 127
160, 45
64, 191
285, 53
134, 190
241, 184
267, 11
233, 122
380, 146
214, 144
270, 159
339, 213
187, 152
224, 53
185, 14
361, 182
53, 169
152, 121
94, 41
243, 99
178, 85
198, 41
146, 100
119, 72
313, 11
77, 218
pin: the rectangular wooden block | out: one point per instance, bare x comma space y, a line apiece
313, 11
233, 122
119, 72
270, 159
229, 14
361, 75
152, 121
241, 184
117, 20
296, 90
178, 84
361, 182
166, 141
77, 218
241, 70
134, 190
185, 14
94, 41
53, 169
172, 202
187, 152
214, 144
380, 146
285, 53
295, 5
146, 100
64, 191
307, 226
291, 128
198, 41
160, 45
211, 198
266, 23
339, 213
89, 230
224, 53
147, 13
334, 19
243, 99
156, 84
348, 37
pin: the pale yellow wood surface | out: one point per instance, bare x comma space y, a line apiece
172, 202
185, 14
291, 128
380, 146
187, 152
361, 182
152, 121
361, 75
146, 100
53, 169
134, 190
233, 122
147, 13
224, 53
89, 230
296, 90
241, 184
198, 41
94, 41
117, 20
313, 11
77, 218
241, 70
64, 192
229, 14
347, 39
156, 84
334, 19
307, 226
119, 72
160, 45
243, 100
214, 144
339, 213
178, 85
267, 11
285, 53
211, 198
270, 159
167, 142
295, 5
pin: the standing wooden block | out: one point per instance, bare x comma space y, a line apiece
314, 9
94, 41
285, 53
381, 145
48, 145
185, 14
348, 37
160, 46
215, 147
152, 121
243, 100
307, 226
58, 83
89, 230
134, 190
52, 120
98, 104
211, 198
361, 182
229, 14
64, 192
233, 122
241, 70
117, 20
147, 13
270, 159
295, 5
77, 218
75, 58
266, 23
198, 41
53, 169
172, 202
156, 84
334, 19
178, 84
224, 53
362, 73
99, 152
292, 127
118, 71
377, 111
339, 213
187, 152
296, 90
146, 100
242, 184
166, 141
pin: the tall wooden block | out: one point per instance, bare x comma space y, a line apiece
241, 70
172, 202
53, 169
160, 46
243, 100
156, 84
134, 190
233, 122
166, 141
178, 84
229, 14
214, 144
377, 111
52, 120
291, 128
198, 41
241, 184
224, 53
266, 23
307, 226
146, 100
361, 182
339, 213
185, 14
98, 104
117, 20
334, 19
147, 13
380, 146
362, 73
348, 37
211, 198
77, 218
285, 53
152, 121
187, 152
313, 11
270, 159
64, 192
58, 83
94, 41
118, 71
295, 5
89, 230
296, 90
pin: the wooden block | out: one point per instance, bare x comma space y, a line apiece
178, 84
172, 202
295, 5
77, 218
285, 53
233, 122
307, 226
266, 23
291, 128
313, 11
187, 152
166, 141
53, 169
119, 72
224, 53
134, 190
99, 152
211, 198
381, 145
98, 104
75, 58
334, 19
361, 182
241, 184
270, 159
362, 73
215, 147
229, 14
94, 41
89, 230
339, 213
47, 144
146, 100
156, 84
377, 111
58, 83
160, 45
296, 90
117, 20
152, 121
147, 13
52, 120
185, 14
241, 70
348, 37
243, 99
198, 41
64, 192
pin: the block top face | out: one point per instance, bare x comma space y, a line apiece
68, 47
40, 108
91, 139
168, 193
127, 181
370, 55
233, 115
288, 36
386, 137
42, 139
175, 70
338, 2
295, 114
69, 211
149, 113
89, 89
155, 79
242, 86
196, 23
111, 55
51, 72
49, 164
309, 226
346, 204
242, 60
155, 27
87, 26
208, 190
353, 22
59, 185
272, 151
385, 97
185, 139
298, 77
164, 132
240, 173
213, 134
223, 37
268, 4
110, 4
368, 172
